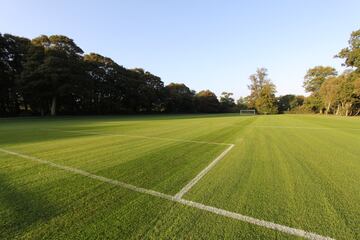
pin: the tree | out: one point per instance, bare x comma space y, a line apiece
347, 94
12, 51
179, 98
242, 103
313, 80
289, 102
356, 94
329, 93
206, 102
115, 89
262, 92
257, 81
314, 103
340, 95
149, 91
227, 103
316, 76
351, 54
266, 102
54, 71
106, 88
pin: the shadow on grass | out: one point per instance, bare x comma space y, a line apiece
35, 136
36, 130
80, 120
19, 209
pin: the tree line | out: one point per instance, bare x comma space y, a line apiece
330, 92
333, 93
51, 75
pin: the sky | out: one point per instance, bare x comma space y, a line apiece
206, 44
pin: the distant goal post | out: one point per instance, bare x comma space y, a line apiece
248, 112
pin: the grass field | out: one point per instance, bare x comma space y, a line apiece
300, 171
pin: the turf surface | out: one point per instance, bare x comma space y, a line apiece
301, 171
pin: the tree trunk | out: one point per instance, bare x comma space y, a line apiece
348, 109
338, 109
328, 108
53, 106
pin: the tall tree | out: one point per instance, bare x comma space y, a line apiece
329, 93
262, 92
313, 80
348, 100
56, 72
149, 91
257, 81
206, 102
242, 103
12, 51
106, 88
179, 98
316, 76
289, 102
227, 102
266, 102
356, 94
351, 54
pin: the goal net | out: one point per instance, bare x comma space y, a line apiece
248, 112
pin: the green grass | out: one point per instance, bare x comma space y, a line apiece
301, 171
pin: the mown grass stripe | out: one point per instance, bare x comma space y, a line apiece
138, 136
196, 179
218, 211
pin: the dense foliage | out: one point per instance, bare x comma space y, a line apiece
51, 74
330, 92
333, 93
262, 93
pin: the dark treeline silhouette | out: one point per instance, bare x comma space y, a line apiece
51, 75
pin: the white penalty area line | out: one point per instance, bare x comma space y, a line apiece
218, 211
202, 173
136, 136
196, 179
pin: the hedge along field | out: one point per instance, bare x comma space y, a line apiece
299, 171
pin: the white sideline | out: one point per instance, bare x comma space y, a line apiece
202, 173
137, 136
218, 211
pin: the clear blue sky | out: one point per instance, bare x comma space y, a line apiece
212, 45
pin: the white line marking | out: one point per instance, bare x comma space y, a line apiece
138, 136
218, 211
312, 128
255, 221
87, 174
202, 173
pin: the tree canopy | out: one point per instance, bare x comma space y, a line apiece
51, 75
316, 76
207, 102
262, 93
351, 54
